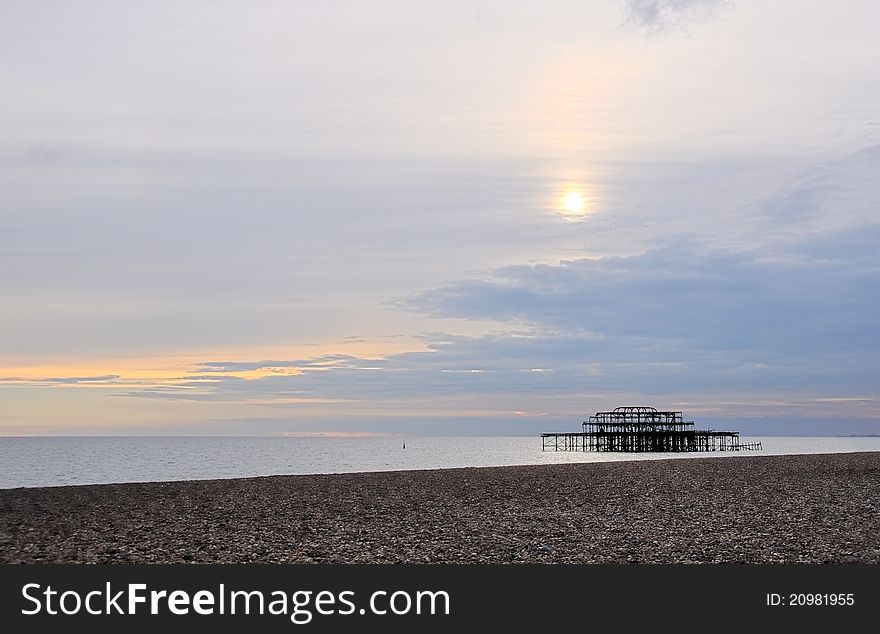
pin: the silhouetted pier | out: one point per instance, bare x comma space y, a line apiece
638, 429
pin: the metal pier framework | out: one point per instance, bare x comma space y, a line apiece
638, 429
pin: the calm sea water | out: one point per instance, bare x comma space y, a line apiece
29, 462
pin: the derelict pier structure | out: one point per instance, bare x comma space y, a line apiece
639, 429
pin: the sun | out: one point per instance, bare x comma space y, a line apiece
574, 203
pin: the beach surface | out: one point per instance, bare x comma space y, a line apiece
756, 509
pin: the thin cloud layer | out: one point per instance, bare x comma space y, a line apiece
792, 314
203, 241
658, 15
773, 304
662, 322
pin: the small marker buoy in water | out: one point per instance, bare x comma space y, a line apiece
404, 445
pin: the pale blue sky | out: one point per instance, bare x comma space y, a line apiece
275, 217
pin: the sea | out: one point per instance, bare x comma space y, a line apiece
66, 460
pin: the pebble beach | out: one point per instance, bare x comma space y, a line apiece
820, 508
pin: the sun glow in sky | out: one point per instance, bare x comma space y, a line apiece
574, 203
384, 216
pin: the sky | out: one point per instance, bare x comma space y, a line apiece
482, 217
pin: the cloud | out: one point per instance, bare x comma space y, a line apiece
788, 311
658, 15
677, 318
66, 380
780, 324
828, 197
784, 303
105, 378
327, 361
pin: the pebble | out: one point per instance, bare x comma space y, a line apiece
744, 509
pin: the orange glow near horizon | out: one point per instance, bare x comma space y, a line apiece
184, 365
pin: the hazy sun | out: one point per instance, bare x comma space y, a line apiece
574, 203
